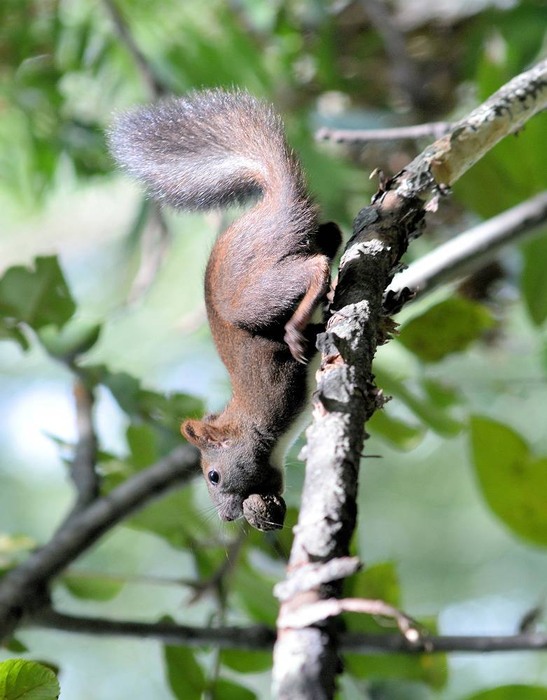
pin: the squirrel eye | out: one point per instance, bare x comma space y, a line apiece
214, 477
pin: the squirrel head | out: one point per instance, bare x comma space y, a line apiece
240, 478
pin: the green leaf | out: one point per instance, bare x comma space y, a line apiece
75, 338
27, 680
143, 445
37, 296
254, 592
15, 646
512, 480
534, 280
380, 582
395, 431
448, 327
246, 661
511, 692
428, 410
228, 690
184, 674
91, 587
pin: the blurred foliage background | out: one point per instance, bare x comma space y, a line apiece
446, 530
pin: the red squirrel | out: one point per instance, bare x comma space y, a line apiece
267, 273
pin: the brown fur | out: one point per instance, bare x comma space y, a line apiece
266, 275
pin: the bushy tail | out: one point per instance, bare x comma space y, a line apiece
207, 149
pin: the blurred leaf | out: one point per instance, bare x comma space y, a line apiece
36, 296
75, 338
15, 646
228, 690
164, 411
534, 280
142, 444
394, 430
246, 661
254, 593
512, 480
91, 588
186, 678
14, 548
511, 692
431, 669
427, 410
448, 327
380, 582
27, 680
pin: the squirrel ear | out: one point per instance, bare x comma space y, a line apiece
202, 434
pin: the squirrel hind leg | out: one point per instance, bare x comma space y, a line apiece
317, 275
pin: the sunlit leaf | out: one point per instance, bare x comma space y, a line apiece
27, 680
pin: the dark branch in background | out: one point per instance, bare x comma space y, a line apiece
468, 251
83, 466
22, 589
153, 84
397, 133
306, 660
405, 73
155, 240
259, 638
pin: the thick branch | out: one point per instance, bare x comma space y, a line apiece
23, 589
306, 660
468, 251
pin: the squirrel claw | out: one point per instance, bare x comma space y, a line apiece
297, 344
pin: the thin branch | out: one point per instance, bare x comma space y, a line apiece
261, 638
153, 84
22, 590
306, 660
83, 466
468, 251
396, 133
154, 242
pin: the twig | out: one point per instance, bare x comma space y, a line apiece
468, 251
305, 660
22, 589
396, 133
153, 84
261, 638
82, 468
154, 245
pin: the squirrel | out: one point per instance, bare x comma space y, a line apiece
266, 275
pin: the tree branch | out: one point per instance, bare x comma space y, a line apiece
23, 590
465, 253
261, 638
306, 660
396, 133
83, 467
